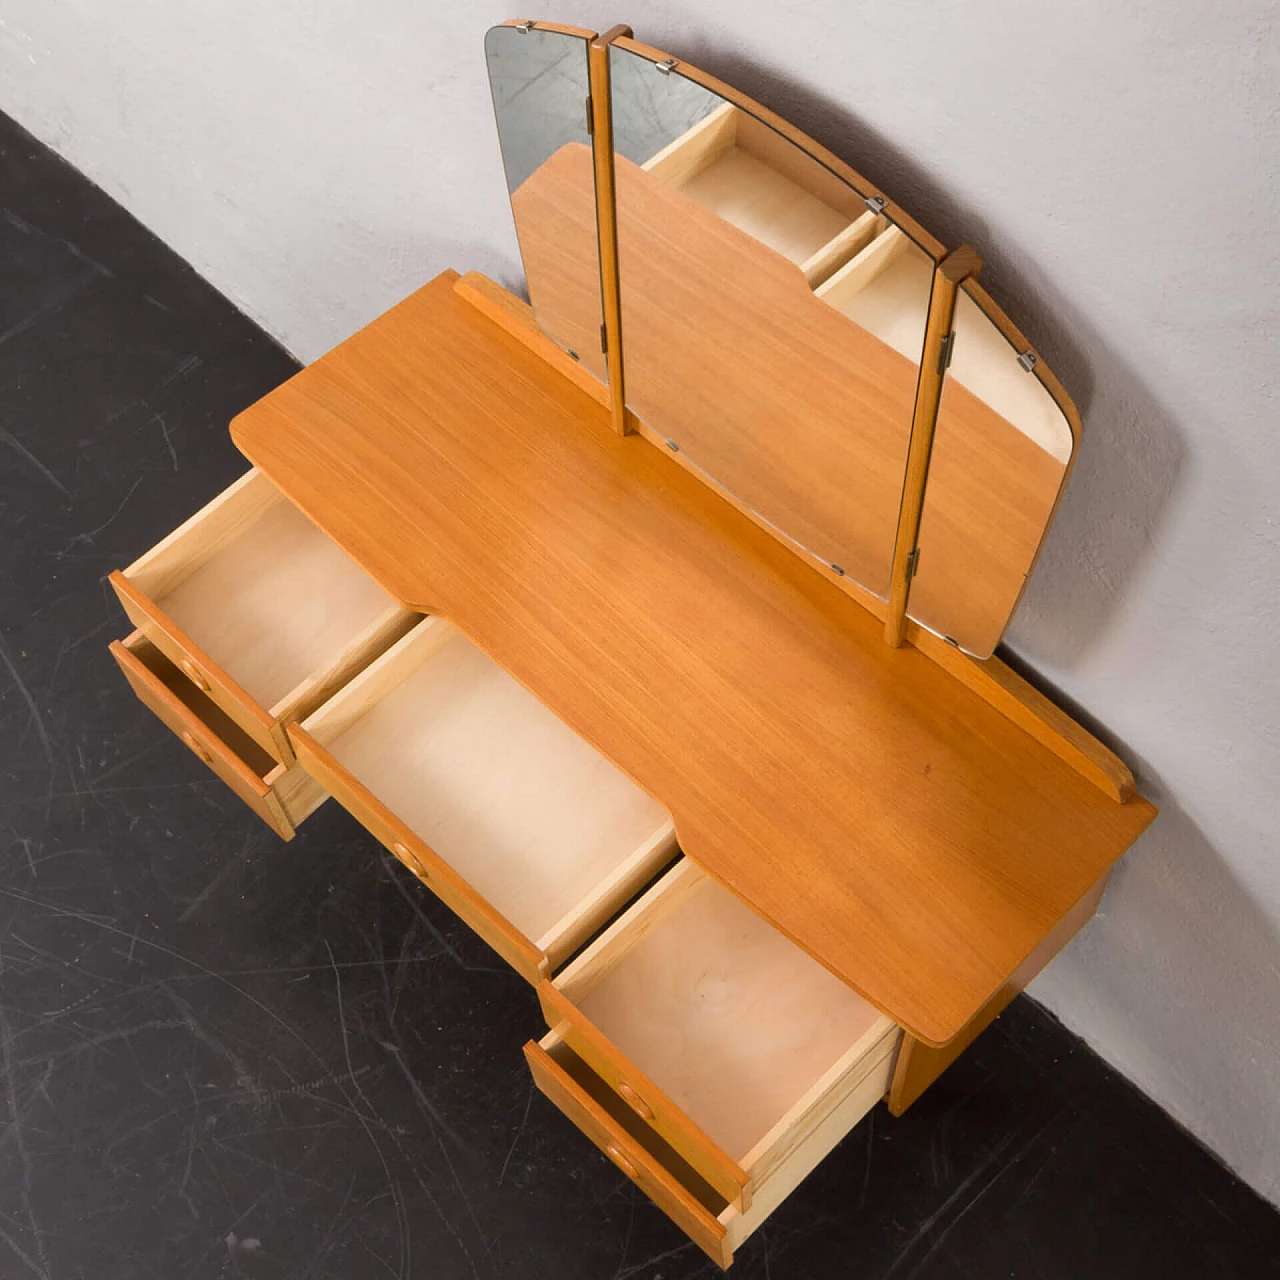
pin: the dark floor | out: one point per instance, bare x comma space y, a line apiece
228, 1056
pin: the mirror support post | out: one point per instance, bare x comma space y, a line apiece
607, 217
960, 265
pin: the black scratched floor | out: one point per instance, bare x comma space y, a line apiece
225, 1056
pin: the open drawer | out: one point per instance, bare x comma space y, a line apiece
717, 1046
281, 795
259, 609
524, 829
885, 288
749, 175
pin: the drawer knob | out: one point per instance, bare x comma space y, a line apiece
616, 1155
634, 1101
195, 675
409, 858
198, 747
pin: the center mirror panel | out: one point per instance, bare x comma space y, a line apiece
540, 84
772, 322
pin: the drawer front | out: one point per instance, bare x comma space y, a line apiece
200, 738
201, 670
639, 1164
517, 950
644, 1097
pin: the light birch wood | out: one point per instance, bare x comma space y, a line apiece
841, 248
787, 1109
751, 176
198, 538
535, 820
697, 148
300, 794
730, 1019
259, 608
803, 1157
871, 262
277, 603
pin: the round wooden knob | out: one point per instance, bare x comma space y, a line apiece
634, 1101
195, 675
409, 858
198, 747
618, 1158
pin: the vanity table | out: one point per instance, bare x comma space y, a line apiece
651, 625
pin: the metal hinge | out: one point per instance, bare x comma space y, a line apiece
946, 351
877, 204
913, 563
666, 66
591, 124
525, 27
604, 339
1028, 359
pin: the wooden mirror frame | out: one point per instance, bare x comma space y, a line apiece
954, 271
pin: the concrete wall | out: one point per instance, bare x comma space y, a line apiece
1116, 166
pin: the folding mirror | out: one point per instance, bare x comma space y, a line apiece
1002, 450
765, 337
773, 311
539, 79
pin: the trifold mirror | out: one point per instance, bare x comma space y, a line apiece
782, 328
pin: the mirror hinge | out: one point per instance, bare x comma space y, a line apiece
913, 564
945, 351
604, 339
1028, 360
591, 124
877, 204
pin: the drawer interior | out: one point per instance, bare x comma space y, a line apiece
749, 175
530, 815
736, 1025
885, 288
263, 592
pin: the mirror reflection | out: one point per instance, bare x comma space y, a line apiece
772, 322
540, 85
773, 326
1001, 453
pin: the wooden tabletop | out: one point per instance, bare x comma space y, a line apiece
867, 804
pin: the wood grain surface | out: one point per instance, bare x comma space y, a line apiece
872, 807
793, 407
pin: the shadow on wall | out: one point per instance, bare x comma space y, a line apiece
1145, 978
1132, 454
359, 272
1143, 982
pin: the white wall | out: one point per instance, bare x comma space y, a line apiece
1115, 165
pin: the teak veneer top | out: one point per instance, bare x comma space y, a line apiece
863, 801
